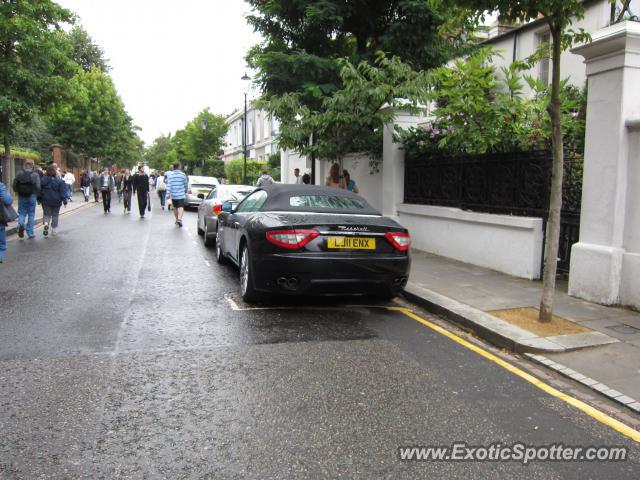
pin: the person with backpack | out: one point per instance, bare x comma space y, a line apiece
27, 186
6, 199
85, 185
54, 194
161, 189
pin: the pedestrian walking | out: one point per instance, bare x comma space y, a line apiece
54, 194
141, 188
69, 179
177, 186
161, 189
127, 190
107, 185
27, 186
118, 178
265, 180
348, 183
298, 178
6, 199
95, 184
85, 185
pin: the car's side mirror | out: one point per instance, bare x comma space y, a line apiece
201, 196
227, 207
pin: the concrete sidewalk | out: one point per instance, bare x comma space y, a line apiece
465, 293
78, 202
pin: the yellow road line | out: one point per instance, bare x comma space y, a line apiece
580, 405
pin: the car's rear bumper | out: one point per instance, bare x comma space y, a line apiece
309, 274
192, 201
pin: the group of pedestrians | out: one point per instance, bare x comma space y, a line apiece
335, 179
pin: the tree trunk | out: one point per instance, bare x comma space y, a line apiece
555, 196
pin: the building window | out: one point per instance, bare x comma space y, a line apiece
543, 73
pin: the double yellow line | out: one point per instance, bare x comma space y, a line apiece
580, 405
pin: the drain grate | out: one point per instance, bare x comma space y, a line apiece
624, 329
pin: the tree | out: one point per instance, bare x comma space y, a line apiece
352, 118
195, 144
34, 62
306, 40
85, 52
93, 121
558, 15
157, 155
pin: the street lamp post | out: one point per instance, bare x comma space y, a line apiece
245, 77
203, 128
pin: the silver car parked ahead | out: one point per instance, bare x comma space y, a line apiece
211, 206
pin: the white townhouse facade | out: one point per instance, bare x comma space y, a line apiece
262, 132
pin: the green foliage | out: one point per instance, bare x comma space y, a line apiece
160, 154
34, 64
352, 119
234, 170
34, 135
22, 153
93, 121
85, 52
195, 145
479, 111
214, 168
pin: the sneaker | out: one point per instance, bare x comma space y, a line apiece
31, 237
179, 222
45, 231
21, 231
53, 232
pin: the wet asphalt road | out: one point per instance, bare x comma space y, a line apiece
120, 357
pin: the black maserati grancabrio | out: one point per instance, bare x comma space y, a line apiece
310, 240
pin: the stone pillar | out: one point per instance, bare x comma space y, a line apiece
393, 163
605, 264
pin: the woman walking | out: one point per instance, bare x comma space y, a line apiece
85, 184
334, 179
348, 183
127, 189
161, 189
107, 184
54, 194
6, 199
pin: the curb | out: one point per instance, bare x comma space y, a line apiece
497, 331
594, 385
14, 229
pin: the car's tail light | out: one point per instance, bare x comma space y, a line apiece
291, 238
400, 240
217, 209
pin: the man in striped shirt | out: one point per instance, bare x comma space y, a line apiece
177, 186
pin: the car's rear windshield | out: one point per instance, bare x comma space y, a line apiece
201, 185
238, 194
329, 202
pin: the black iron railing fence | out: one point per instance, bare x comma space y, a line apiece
515, 183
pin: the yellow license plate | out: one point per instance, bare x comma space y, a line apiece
352, 243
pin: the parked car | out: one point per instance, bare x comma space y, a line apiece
303, 239
211, 207
199, 187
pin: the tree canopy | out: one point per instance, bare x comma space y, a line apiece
85, 52
34, 61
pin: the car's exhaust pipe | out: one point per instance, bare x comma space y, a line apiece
292, 283
282, 282
288, 283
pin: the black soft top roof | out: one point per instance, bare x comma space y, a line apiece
279, 195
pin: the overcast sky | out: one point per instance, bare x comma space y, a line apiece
170, 59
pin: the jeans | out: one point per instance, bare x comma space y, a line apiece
106, 200
27, 208
142, 202
3, 242
127, 200
85, 192
96, 193
163, 197
51, 214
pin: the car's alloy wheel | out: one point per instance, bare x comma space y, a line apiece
219, 255
246, 277
208, 242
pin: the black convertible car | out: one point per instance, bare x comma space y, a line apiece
310, 240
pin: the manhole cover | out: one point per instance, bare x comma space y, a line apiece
624, 329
